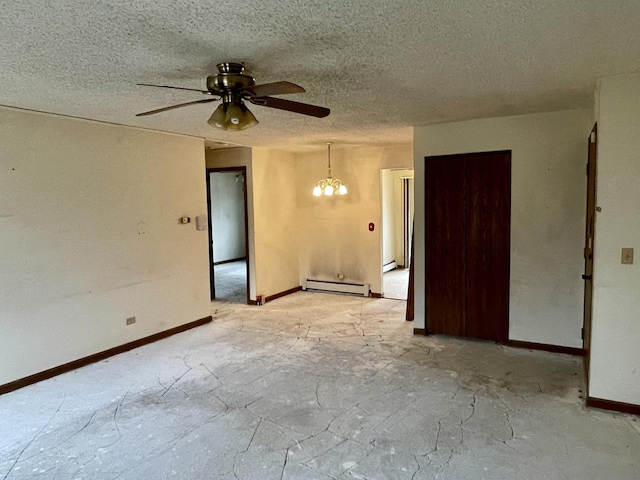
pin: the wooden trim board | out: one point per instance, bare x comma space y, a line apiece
376, 295
546, 347
282, 294
96, 357
419, 331
231, 260
611, 405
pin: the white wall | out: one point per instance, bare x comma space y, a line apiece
388, 223
227, 215
240, 157
615, 349
90, 236
276, 221
334, 235
549, 153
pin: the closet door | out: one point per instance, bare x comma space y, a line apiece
445, 245
488, 216
468, 210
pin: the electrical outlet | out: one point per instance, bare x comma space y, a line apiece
627, 256
131, 320
340, 276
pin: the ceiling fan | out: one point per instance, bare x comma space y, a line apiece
234, 87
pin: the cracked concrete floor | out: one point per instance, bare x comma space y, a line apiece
315, 386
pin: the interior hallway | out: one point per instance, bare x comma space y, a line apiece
315, 386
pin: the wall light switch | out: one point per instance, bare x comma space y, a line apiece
627, 256
201, 222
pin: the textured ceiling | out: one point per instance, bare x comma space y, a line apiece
382, 66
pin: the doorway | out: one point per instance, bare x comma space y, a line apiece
397, 229
467, 221
228, 240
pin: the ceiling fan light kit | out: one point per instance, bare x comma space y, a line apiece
234, 87
329, 186
232, 117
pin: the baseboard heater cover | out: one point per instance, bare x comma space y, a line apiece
389, 266
338, 287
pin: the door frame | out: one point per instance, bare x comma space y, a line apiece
589, 244
209, 171
405, 197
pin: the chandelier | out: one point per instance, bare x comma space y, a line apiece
329, 186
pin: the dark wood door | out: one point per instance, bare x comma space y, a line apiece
488, 245
588, 248
445, 244
468, 214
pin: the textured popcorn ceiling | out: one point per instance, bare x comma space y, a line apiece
382, 66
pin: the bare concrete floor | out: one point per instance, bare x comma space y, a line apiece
231, 281
395, 284
315, 386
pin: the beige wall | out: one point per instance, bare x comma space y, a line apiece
334, 236
615, 353
90, 236
276, 221
549, 152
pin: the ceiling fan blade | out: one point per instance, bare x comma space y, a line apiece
288, 105
176, 106
207, 92
275, 88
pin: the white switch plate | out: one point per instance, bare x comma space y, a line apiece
201, 222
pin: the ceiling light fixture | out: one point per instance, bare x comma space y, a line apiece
232, 114
329, 186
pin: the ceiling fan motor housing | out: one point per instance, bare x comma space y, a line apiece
229, 79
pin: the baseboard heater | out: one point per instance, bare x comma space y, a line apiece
389, 266
337, 287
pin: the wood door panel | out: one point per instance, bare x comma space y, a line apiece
467, 221
445, 245
488, 245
